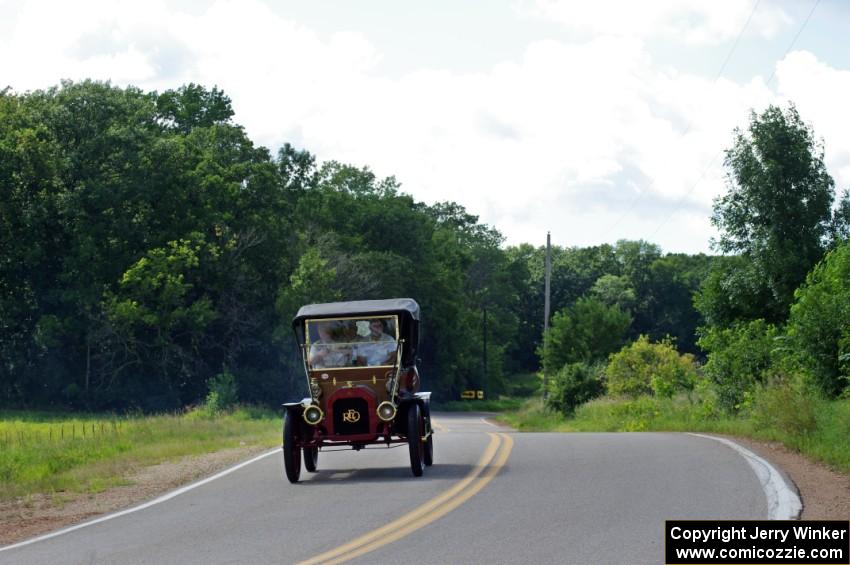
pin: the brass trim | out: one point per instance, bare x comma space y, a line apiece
321, 415
361, 317
397, 368
306, 368
306, 345
326, 369
378, 411
315, 389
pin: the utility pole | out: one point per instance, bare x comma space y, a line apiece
486, 383
546, 316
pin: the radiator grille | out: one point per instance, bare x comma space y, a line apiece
351, 416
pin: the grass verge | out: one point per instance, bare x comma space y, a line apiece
50, 453
501, 404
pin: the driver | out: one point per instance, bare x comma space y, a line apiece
377, 348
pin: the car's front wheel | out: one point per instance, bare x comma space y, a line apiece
291, 452
415, 431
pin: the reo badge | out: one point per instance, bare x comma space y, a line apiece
351, 416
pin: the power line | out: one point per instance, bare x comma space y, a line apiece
737, 40
641, 194
705, 170
688, 193
793, 41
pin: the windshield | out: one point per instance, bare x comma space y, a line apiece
352, 342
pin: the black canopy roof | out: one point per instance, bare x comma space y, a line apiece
405, 308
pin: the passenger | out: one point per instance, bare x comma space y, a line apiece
377, 348
327, 351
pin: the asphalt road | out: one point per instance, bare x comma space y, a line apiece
492, 496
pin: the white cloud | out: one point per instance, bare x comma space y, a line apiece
689, 21
592, 140
820, 93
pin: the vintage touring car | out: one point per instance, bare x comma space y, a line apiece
360, 362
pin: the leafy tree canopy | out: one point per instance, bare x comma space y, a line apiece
587, 331
820, 321
777, 212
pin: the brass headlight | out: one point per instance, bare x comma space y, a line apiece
313, 415
386, 411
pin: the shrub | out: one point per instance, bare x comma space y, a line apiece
222, 392
820, 321
573, 385
785, 404
635, 415
650, 368
739, 358
587, 331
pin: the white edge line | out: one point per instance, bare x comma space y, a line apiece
163, 498
489, 423
783, 502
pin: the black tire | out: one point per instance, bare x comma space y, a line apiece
311, 458
415, 431
291, 452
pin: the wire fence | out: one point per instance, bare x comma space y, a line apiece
60, 433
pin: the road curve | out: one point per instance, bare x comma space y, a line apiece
491, 497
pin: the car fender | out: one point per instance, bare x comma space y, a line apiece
405, 401
297, 408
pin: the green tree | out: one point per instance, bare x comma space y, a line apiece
587, 331
614, 290
673, 281
192, 106
777, 211
312, 281
160, 315
732, 291
739, 358
820, 321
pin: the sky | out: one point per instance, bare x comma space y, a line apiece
596, 121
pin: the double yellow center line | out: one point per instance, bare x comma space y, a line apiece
492, 460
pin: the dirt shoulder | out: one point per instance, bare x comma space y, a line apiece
825, 493
39, 514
